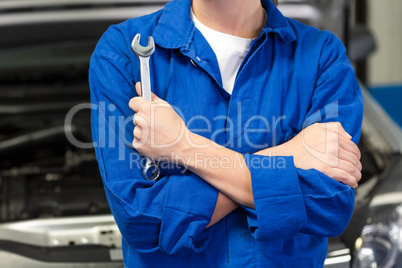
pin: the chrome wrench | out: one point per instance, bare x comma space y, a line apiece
151, 170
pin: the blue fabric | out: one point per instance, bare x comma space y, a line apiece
294, 75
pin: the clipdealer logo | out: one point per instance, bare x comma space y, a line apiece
115, 131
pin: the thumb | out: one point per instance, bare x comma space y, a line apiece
138, 88
338, 128
154, 97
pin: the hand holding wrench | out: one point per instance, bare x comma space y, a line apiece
150, 171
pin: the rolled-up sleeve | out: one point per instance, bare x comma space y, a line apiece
279, 206
169, 215
289, 200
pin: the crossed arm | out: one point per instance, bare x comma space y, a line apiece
339, 157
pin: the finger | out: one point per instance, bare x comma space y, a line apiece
140, 122
138, 88
137, 144
350, 157
350, 169
140, 139
335, 127
137, 132
137, 120
351, 166
342, 176
341, 130
135, 103
154, 97
350, 146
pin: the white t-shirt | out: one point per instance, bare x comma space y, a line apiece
230, 51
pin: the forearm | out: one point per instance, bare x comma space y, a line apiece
224, 205
224, 169
320, 146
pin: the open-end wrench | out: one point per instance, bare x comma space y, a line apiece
151, 170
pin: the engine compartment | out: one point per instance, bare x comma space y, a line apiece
43, 175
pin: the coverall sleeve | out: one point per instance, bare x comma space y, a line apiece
168, 215
289, 200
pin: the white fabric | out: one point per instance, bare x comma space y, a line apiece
230, 51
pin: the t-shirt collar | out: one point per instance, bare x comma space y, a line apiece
175, 28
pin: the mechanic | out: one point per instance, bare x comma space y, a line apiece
263, 112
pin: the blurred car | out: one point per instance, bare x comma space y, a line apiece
53, 210
52, 203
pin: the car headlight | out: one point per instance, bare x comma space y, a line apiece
380, 244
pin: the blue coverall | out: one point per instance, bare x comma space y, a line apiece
294, 75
